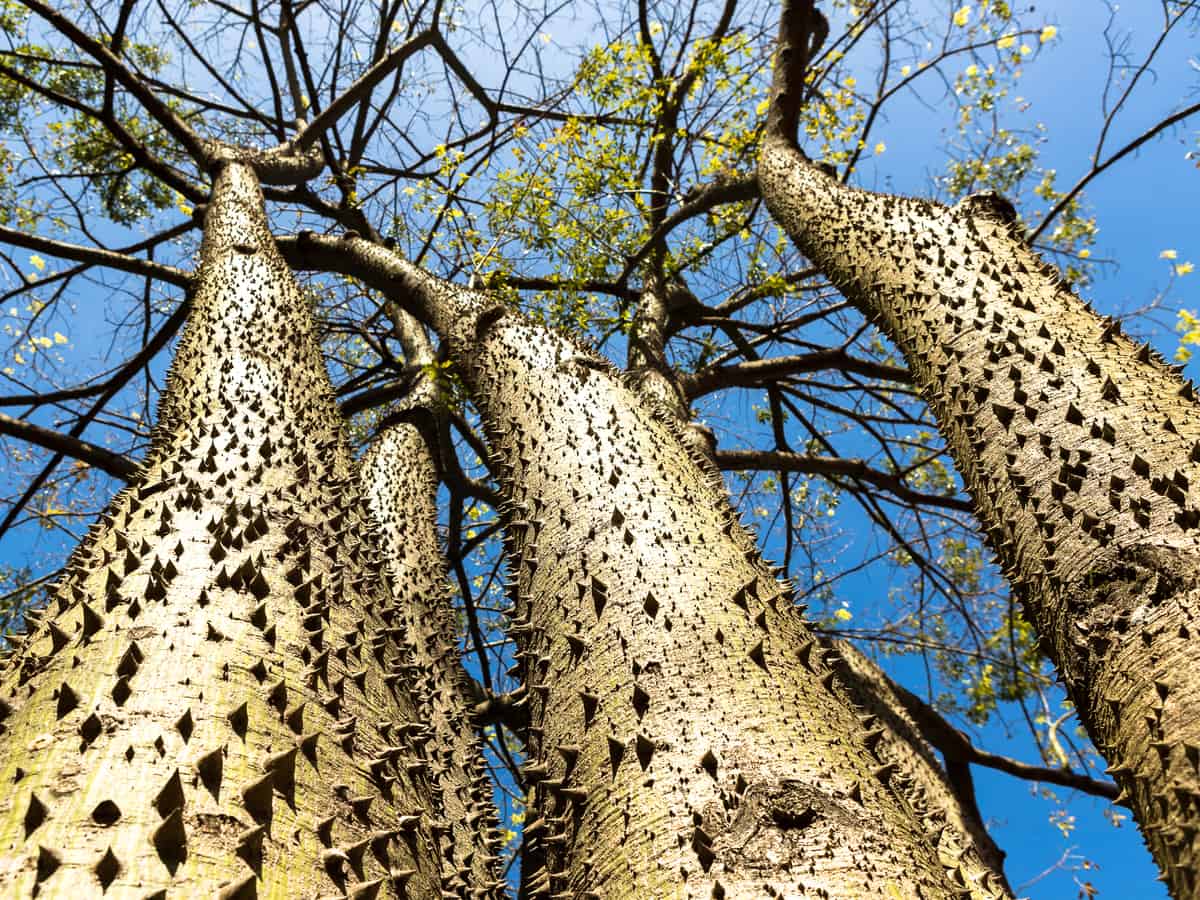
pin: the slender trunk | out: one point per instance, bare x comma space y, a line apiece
217, 700
948, 804
400, 482
1078, 446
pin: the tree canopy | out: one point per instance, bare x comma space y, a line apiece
593, 165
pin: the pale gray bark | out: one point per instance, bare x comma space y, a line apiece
687, 738
218, 700
400, 482
1080, 450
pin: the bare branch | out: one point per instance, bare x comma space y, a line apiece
94, 455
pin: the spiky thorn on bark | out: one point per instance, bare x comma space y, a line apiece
802, 31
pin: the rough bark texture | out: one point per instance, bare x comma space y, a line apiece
963, 837
959, 833
1078, 446
400, 482
686, 738
217, 701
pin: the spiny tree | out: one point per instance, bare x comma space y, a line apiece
221, 692
400, 482
607, 202
1079, 447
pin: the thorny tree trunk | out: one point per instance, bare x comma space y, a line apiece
686, 739
687, 736
400, 482
218, 699
961, 837
945, 805
1078, 446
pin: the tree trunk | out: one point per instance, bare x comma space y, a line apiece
961, 837
688, 737
930, 790
1078, 446
400, 482
218, 699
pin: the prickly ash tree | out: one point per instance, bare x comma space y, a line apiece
400, 482
1079, 447
218, 698
688, 738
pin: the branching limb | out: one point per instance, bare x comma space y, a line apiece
755, 372
834, 467
98, 457
284, 164
802, 31
96, 255
957, 747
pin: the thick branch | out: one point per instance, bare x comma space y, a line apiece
958, 747
359, 91
96, 255
802, 30
755, 372
832, 467
94, 455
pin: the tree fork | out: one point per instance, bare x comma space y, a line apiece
217, 698
1079, 448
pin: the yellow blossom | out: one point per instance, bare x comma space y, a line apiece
37, 262
1167, 254
1007, 41
972, 70
1048, 34
880, 147
962, 15
904, 70
59, 337
843, 614
1184, 268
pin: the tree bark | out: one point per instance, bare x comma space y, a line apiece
687, 737
400, 482
218, 699
960, 835
1079, 448
951, 807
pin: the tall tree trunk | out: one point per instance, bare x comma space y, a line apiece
218, 699
949, 805
400, 482
961, 837
687, 736
1078, 446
